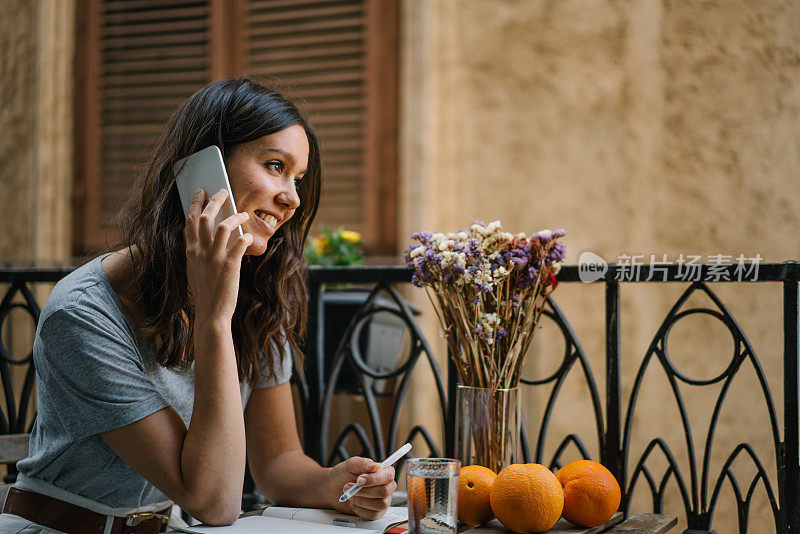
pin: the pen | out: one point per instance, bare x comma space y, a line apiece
399, 453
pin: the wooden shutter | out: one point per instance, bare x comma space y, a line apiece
340, 56
139, 59
145, 57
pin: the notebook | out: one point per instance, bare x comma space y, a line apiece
307, 521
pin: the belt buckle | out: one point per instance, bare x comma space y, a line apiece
132, 520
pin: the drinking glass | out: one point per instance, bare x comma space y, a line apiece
432, 495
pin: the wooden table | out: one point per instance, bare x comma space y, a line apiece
635, 524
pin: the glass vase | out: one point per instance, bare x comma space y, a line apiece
488, 427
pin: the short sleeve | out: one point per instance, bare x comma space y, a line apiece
92, 373
283, 370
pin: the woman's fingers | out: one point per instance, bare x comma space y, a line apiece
240, 245
209, 216
358, 465
375, 492
225, 228
377, 478
364, 509
195, 208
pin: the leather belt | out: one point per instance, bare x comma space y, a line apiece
73, 519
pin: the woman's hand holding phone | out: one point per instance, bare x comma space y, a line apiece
212, 268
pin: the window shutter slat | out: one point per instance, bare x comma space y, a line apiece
132, 6
318, 47
154, 55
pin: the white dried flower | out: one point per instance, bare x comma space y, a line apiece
494, 227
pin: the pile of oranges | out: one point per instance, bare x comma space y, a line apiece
530, 498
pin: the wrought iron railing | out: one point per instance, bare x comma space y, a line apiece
383, 391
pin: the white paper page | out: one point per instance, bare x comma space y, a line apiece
268, 525
394, 514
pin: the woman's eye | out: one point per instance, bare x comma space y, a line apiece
276, 166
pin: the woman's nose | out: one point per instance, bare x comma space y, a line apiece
289, 197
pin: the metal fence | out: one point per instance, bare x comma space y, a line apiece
339, 361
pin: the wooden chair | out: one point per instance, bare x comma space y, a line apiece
17, 375
13, 448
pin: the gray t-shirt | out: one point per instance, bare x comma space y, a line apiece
95, 372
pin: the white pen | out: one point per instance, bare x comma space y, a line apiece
399, 453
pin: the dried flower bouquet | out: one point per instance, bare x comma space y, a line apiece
488, 288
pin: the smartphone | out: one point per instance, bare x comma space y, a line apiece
205, 169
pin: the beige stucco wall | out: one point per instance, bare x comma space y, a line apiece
37, 40
36, 79
641, 127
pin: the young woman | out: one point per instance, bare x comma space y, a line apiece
163, 367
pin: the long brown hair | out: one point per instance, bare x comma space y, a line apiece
271, 305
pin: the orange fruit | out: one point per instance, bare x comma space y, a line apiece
527, 498
474, 488
591, 493
416, 496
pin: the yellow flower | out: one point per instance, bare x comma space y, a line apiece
349, 235
321, 245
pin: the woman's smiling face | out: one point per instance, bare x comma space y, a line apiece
264, 174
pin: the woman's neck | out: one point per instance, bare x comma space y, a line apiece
119, 270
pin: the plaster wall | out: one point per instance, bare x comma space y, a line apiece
37, 40
643, 127
36, 79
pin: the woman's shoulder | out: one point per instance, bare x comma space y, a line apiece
85, 291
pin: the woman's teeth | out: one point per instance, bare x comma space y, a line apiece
269, 219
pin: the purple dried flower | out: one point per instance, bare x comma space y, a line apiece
423, 237
430, 256
422, 268
501, 260
406, 255
557, 253
474, 249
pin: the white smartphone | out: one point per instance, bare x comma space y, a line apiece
205, 169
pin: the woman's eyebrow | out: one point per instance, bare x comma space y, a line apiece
283, 153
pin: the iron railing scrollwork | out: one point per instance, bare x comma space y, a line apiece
383, 392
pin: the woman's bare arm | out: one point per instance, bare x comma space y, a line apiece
285, 475
201, 468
